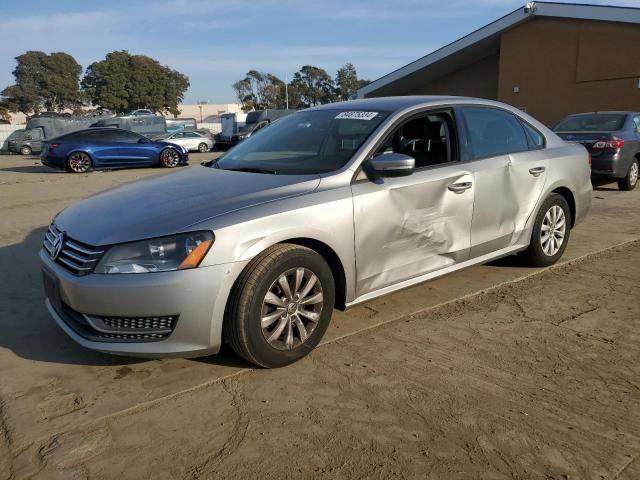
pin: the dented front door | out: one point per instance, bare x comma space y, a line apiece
409, 226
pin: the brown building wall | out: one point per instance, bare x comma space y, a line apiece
563, 66
479, 79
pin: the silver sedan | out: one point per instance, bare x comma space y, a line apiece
192, 141
327, 208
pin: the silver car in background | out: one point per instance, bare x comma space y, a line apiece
329, 207
192, 141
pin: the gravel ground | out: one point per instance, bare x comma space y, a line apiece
498, 371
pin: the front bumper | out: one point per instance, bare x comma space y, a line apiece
197, 297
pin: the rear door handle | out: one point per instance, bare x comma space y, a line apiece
460, 187
537, 171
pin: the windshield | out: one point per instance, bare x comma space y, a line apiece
596, 122
307, 142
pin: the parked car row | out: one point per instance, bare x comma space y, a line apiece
326, 208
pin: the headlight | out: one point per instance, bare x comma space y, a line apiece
176, 252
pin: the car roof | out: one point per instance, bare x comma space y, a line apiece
613, 112
387, 103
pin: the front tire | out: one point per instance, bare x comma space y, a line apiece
79, 162
280, 307
551, 232
203, 148
629, 182
26, 150
169, 158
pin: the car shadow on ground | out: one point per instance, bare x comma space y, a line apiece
36, 168
27, 329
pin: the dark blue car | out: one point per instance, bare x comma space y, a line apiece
84, 150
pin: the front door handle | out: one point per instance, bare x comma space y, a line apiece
537, 171
460, 187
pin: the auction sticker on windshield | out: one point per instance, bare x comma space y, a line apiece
357, 115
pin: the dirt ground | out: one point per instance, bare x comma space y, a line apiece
498, 371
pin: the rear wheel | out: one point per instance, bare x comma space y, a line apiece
281, 306
26, 150
169, 158
550, 232
78, 162
202, 148
629, 182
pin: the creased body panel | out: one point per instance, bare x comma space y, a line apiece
506, 195
408, 226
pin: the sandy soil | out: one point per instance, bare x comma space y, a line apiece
496, 372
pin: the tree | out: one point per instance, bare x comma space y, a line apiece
123, 82
5, 114
244, 94
259, 90
44, 82
315, 86
347, 82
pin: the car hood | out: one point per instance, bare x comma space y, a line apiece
171, 203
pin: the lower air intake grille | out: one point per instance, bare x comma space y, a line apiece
119, 329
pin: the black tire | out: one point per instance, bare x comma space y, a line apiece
26, 150
629, 182
79, 162
203, 148
535, 255
245, 308
169, 158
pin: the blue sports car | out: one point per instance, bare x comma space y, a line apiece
84, 150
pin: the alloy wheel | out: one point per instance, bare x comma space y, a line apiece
291, 308
633, 174
169, 158
553, 229
202, 148
79, 162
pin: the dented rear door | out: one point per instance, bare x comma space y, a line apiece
409, 226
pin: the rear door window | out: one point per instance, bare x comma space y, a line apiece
493, 132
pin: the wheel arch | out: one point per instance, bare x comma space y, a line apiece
568, 196
334, 262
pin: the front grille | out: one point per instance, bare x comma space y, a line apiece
119, 329
77, 257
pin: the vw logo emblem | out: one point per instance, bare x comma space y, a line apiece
56, 246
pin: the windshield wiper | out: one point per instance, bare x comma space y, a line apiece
251, 170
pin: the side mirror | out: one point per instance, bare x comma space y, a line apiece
391, 165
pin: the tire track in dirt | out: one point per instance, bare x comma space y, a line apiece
6, 446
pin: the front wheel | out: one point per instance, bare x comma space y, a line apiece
550, 232
79, 162
169, 158
26, 150
203, 148
280, 307
629, 182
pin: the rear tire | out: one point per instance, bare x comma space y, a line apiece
203, 148
551, 232
629, 182
273, 326
26, 150
79, 162
169, 158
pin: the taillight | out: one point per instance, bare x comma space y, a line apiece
616, 143
53, 145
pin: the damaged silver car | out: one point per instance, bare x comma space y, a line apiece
327, 208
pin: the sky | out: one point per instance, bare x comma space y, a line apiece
216, 42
